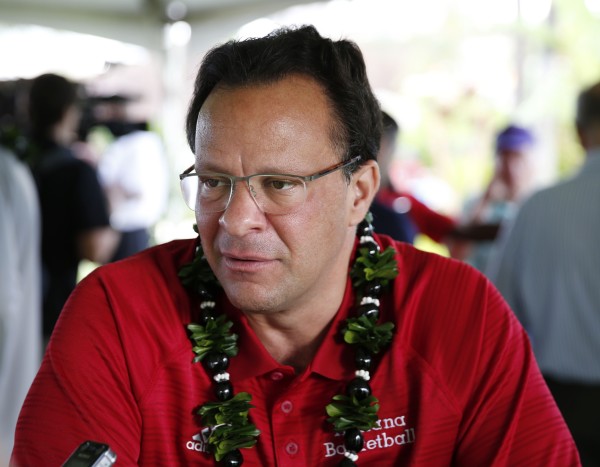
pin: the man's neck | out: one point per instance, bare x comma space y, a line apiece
292, 344
293, 336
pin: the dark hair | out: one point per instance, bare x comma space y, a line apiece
588, 106
338, 66
50, 96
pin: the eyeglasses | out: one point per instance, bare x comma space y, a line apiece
273, 193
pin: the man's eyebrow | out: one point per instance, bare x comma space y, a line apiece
268, 170
207, 168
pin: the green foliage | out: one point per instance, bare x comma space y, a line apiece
368, 333
215, 336
230, 427
348, 412
198, 275
382, 266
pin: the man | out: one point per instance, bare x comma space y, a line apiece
510, 183
75, 223
548, 268
285, 130
134, 174
20, 293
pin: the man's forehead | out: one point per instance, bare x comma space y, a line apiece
294, 103
290, 91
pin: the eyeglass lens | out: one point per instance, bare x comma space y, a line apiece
274, 194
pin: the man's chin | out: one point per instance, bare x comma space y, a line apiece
253, 298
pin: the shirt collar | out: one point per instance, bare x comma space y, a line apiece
252, 359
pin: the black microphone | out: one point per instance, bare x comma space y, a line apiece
91, 454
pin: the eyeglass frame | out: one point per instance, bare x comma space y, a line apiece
234, 178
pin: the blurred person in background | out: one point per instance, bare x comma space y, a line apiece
402, 216
547, 267
510, 183
390, 216
74, 212
134, 174
20, 293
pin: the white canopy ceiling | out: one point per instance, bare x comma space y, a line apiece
141, 21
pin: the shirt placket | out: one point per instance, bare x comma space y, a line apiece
288, 422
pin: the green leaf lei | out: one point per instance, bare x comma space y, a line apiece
349, 412
366, 332
369, 267
228, 421
197, 275
230, 428
346, 412
214, 337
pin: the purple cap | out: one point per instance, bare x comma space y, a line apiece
513, 137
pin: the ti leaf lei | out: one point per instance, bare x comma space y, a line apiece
214, 343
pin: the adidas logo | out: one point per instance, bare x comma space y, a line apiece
198, 441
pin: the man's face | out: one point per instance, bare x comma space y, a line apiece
268, 263
513, 166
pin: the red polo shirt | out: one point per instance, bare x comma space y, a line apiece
458, 384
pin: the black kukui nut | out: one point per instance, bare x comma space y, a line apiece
204, 293
373, 288
206, 314
224, 390
345, 462
362, 359
370, 310
371, 247
215, 362
233, 458
365, 229
358, 388
353, 440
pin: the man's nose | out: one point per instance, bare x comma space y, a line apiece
242, 214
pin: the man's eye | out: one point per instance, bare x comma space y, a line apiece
281, 184
213, 182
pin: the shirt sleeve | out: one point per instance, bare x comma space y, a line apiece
74, 399
509, 416
429, 222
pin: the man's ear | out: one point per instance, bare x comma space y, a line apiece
363, 188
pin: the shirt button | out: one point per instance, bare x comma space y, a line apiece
292, 448
287, 406
276, 375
